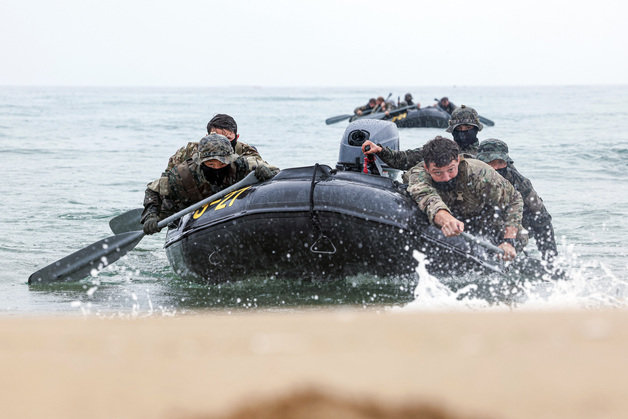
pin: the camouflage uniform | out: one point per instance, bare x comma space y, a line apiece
404, 160
184, 153
186, 183
482, 199
449, 108
536, 218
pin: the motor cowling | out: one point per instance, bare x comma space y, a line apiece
350, 157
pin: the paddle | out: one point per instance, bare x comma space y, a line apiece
381, 115
486, 121
127, 221
482, 119
523, 264
441, 241
481, 242
104, 252
339, 118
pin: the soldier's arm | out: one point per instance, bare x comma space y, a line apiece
152, 201
263, 170
253, 162
182, 155
424, 194
402, 160
359, 108
538, 219
156, 198
499, 193
250, 154
537, 214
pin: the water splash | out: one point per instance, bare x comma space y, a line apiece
587, 285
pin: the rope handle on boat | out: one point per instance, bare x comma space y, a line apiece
317, 223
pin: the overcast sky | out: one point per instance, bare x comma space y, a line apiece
312, 43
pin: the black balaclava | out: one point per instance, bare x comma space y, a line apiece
502, 171
447, 186
215, 176
465, 138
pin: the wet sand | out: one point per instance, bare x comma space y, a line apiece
339, 363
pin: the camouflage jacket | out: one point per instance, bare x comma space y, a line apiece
184, 153
405, 160
449, 108
480, 192
536, 218
186, 184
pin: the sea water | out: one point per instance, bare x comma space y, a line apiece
74, 157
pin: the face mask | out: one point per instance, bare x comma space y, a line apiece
465, 138
215, 175
503, 171
450, 185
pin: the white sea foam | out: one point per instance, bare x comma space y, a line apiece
586, 285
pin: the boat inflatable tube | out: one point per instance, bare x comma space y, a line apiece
431, 117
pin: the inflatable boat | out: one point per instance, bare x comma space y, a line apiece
319, 222
431, 117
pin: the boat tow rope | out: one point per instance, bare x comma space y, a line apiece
323, 244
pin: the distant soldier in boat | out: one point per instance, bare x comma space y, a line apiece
536, 218
446, 105
366, 109
222, 124
213, 168
407, 101
464, 125
459, 194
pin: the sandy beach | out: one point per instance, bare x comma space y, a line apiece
568, 364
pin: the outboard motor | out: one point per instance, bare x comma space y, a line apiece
384, 133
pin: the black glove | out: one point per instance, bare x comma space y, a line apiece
150, 224
263, 173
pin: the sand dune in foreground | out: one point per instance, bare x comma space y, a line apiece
452, 365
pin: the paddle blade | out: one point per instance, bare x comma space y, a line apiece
338, 118
486, 121
128, 221
92, 258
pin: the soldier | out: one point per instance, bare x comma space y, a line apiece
449, 188
407, 101
446, 105
222, 124
536, 218
368, 108
464, 124
214, 168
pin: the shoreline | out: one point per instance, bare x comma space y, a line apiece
505, 364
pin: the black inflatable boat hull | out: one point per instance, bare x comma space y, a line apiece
431, 117
314, 223
340, 224
423, 118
